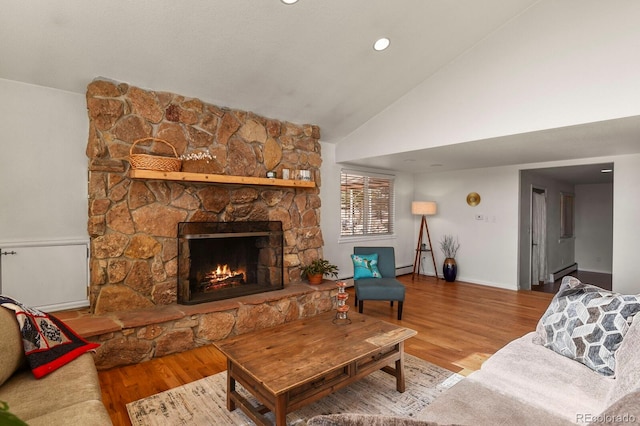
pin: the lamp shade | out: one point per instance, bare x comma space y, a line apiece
424, 207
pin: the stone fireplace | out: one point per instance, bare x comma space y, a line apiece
222, 260
134, 261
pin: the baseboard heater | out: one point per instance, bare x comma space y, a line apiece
403, 270
564, 271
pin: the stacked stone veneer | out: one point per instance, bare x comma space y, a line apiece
133, 222
136, 336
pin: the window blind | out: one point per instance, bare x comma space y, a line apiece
366, 203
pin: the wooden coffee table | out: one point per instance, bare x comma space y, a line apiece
293, 364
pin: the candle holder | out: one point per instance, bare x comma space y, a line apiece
343, 308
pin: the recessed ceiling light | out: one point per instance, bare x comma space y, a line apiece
381, 44
606, 171
435, 165
289, 1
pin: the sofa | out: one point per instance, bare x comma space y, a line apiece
70, 395
528, 383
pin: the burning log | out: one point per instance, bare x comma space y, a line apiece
212, 283
237, 278
221, 277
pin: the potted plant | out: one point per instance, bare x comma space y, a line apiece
449, 248
7, 418
318, 269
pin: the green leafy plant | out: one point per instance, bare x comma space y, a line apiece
7, 418
321, 266
449, 246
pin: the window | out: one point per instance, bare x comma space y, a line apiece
366, 204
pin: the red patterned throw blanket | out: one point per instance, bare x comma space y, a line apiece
48, 342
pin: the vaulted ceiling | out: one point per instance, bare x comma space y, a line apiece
309, 62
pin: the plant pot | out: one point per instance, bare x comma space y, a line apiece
315, 278
450, 269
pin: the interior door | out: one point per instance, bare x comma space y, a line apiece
539, 271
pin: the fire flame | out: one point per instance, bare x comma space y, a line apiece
223, 276
222, 272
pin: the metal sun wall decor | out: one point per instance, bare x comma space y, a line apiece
473, 199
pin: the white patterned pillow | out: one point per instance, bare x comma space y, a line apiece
587, 324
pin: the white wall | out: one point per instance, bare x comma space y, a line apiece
550, 67
489, 251
338, 250
43, 195
488, 247
43, 166
594, 227
626, 231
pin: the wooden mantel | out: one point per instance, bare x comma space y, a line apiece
213, 178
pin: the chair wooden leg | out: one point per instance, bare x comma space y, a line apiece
392, 303
355, 300
360, 305
400, 302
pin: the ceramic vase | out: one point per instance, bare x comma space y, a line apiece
450, 269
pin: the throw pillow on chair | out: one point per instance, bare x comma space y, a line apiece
365, 266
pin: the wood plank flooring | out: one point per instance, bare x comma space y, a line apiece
459, 325
596, 278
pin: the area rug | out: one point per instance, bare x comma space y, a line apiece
203, 402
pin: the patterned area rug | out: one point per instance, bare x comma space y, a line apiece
203, 402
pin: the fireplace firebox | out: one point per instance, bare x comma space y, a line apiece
222, 260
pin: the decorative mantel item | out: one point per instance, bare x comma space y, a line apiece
316, 271
449, 248
154, 162
199, 162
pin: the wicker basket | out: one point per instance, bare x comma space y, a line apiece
154, 162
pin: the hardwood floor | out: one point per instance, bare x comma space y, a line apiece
459, 325
596, 278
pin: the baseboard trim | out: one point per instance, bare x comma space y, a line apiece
564, 271
594, 271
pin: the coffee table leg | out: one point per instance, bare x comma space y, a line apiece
400, 369
281, 410
231, 388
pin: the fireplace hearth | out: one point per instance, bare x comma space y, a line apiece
222, 260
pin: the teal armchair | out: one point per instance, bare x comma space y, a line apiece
385, 288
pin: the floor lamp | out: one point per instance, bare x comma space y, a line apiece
424, 208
